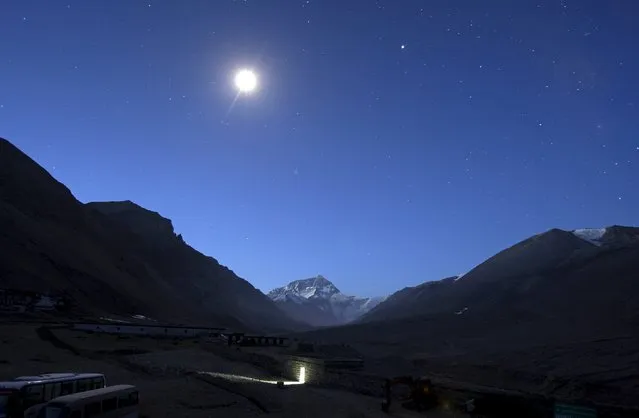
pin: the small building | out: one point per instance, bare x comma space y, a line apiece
261, 340
27, 301
45, 303
318, 370
172, 331
244, 340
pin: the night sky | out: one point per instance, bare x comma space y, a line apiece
388, 143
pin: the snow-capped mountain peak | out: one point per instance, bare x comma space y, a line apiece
319, 302
315, 287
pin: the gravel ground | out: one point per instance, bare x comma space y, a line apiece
163, 371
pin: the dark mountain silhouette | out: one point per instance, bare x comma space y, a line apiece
114, 257
518, 278
555, 314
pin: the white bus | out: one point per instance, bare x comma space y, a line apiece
25, 393
119, 401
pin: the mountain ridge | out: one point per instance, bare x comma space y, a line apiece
554, 314
114, 257
527, 261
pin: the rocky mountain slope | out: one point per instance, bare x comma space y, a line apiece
520, 276
114, 257
317, 302
555, 314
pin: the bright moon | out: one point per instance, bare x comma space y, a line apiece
245, 81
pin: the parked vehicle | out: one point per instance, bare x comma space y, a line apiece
119, 401
23, 396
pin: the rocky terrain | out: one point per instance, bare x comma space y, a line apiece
317, 302
554, 275
166, 374
114, 257
554, 314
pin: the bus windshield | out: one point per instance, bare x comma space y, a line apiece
7, 402
4, 400
55, 411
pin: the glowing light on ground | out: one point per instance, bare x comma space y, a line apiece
302, 378
238, 378
245, 81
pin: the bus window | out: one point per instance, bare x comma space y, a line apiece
109, 404
92, 409
33, 394
98, 383
128, 400
4, 400
82, 385
51, 390
66, 388
10, 404
53, 412
4, 403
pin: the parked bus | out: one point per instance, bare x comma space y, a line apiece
17, 396
119, 401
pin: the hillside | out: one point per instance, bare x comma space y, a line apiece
115, 257
516, 276
555, 314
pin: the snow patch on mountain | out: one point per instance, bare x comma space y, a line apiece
461, 311
283, 297
300, 291
592, 235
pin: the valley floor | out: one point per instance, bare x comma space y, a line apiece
163, 371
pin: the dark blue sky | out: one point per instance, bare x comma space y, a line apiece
390, 143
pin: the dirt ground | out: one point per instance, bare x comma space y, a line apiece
163, 370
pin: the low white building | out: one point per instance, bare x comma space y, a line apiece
153, 330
